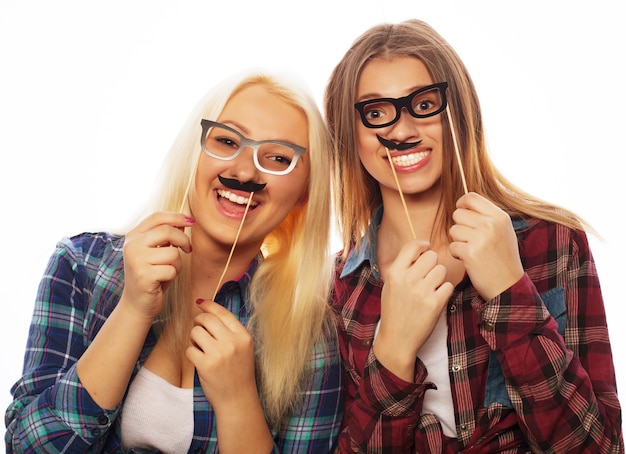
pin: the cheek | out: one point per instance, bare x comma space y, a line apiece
363, 134
208, 169
367, 143
297, 194
204, 166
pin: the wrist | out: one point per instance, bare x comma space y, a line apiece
398, 362
132, 313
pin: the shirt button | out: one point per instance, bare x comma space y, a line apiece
103, 420
375, 267
95, 432
197, 450
453, 308
488, 327
456, 367
463, 427
367, 342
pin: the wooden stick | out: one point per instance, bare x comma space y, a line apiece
232, 249
395, 176
456, 148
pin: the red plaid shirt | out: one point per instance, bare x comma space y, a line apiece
530, 370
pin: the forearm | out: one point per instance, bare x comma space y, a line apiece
233, 418
565, 400
107, 365
564, 389
61, 417
382, 411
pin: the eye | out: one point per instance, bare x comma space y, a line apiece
280, 159
227, 142
376, 111
373, 114
275, 156
424, 105
427, 102
222, 142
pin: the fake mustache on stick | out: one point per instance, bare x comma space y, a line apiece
249, 186
397, 146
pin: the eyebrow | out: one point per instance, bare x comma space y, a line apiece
238, 126
246, 133
368, 96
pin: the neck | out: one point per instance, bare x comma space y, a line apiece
421, 212
211, 268
394, 231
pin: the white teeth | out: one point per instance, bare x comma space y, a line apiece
409, 159
240, 200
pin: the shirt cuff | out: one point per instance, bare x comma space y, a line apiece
388, 394
71, 401
512, 315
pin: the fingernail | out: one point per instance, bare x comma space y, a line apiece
199, 301
189, 219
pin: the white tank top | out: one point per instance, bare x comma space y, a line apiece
157, 414
434, 355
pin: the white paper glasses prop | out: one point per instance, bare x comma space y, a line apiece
422, 103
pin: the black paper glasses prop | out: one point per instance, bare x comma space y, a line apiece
422, 103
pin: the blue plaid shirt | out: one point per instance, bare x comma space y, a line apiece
52, 412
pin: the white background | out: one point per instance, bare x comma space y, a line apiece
93, 93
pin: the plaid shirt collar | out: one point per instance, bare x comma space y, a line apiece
367, 249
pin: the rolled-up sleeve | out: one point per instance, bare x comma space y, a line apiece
51, 411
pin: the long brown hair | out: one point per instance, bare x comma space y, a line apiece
417, 39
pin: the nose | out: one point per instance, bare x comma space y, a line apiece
405, 129
242, 167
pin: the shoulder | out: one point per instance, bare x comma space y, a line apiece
94, 255
341, 278
94, 242
539, 237
525, 226
91, 246
92, 265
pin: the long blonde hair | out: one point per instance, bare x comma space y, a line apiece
290, 315
417, 39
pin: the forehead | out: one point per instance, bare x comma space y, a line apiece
392, 78
262, 115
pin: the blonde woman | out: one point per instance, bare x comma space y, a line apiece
148, 342
469, 322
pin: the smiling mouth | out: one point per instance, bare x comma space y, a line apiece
234, 198
409, 159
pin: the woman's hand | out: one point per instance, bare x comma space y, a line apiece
484, 239
222, 352
152, 260
413, 296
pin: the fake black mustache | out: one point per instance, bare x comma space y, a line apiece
232, 183
397, 146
